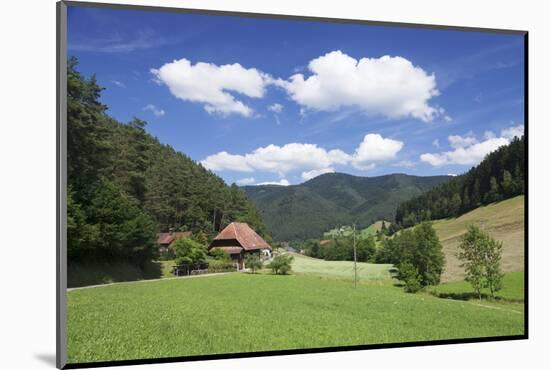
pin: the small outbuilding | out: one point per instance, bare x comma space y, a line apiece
165, 240
239, 240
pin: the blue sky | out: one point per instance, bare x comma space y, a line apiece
265, 100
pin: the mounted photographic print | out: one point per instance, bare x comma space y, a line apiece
236, 185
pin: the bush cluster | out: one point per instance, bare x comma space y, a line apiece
282, 264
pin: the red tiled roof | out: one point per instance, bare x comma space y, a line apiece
243, 234
230, 250
168, 238
326, 241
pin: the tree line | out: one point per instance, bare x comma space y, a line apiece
499, 176
124, 186
341, 249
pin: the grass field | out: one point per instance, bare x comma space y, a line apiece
346, 231
504, 221
339, 269
243, 312
512, 291
317, 306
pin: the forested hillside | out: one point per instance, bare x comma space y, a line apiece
124, 186
501, 175
331, 200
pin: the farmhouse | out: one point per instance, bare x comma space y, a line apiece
238, 240
165, 240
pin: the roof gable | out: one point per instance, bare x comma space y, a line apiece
168, 238
244, 234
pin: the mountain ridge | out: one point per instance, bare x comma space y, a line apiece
306, 210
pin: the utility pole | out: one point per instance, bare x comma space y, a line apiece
354, 258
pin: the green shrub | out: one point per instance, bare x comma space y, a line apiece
218, 254
281, 264
253, 262
167, 255
223, 265
189, 251
409, 275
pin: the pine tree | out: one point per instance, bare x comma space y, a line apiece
476, 194
454, 205
507, 183
465, 200
494, 191
518, 180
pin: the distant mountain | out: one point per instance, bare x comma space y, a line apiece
303, 211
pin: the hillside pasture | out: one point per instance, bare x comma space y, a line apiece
257, 312
347, 231
504, 221
340, 269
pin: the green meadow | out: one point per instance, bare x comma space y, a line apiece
241, 312
340, 269
512, 290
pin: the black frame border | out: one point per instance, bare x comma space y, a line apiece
61, 34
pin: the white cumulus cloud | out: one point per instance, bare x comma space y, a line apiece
225, 161
314, 173
305, 157
511, 132
118, 83
390, 86
457, 141
275, 108
282, 182
467, 150
156, 111
374, 148
211, 85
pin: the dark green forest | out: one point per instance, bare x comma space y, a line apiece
499, 176
342, 249
124, 186
306, 211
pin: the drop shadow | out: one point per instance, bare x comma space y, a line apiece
46, 358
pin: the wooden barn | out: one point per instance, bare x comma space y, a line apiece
165, 240
239, 240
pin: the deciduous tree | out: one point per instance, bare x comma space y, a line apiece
480, 255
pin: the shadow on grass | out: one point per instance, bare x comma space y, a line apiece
468, 296
463, 296
81, 274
